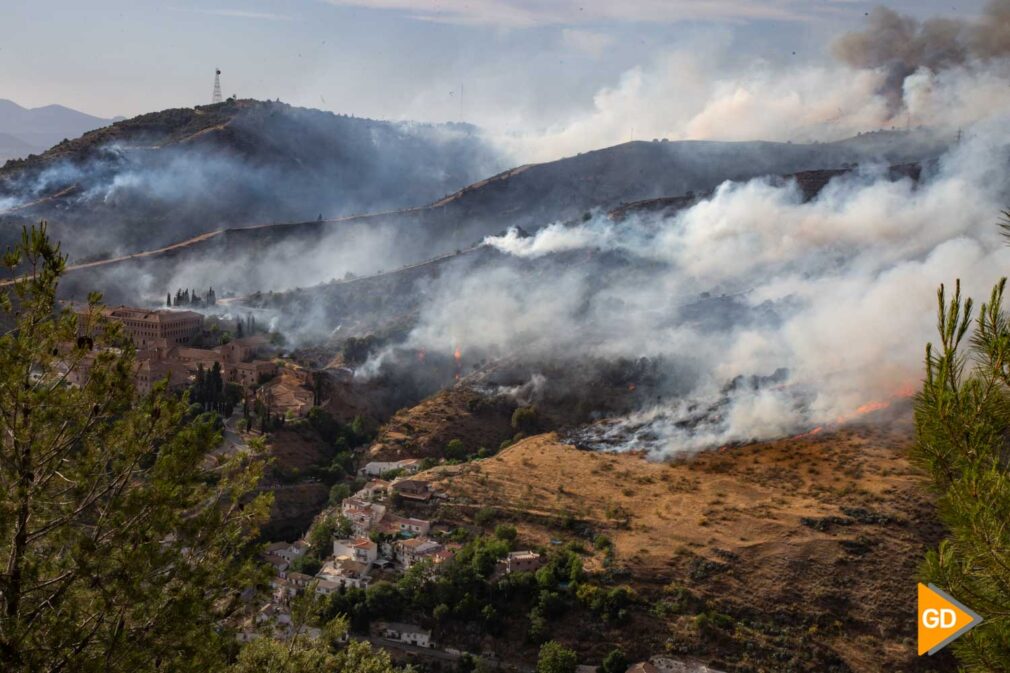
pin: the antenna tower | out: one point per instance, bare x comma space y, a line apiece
217, 97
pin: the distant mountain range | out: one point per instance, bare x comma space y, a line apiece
25, 131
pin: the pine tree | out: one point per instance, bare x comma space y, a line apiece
168, 300
117, 552
962, 423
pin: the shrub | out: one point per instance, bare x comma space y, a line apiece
525, 420
455, 450
555, 658
615, 662
506, 532
484, 516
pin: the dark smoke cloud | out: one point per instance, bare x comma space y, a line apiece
900, 45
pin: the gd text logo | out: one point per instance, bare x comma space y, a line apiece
942, 620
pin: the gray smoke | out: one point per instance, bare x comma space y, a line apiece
152, 181
771, 314
900, 45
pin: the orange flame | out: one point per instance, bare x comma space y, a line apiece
458, 354
904, 391
816, 431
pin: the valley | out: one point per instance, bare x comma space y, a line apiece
511, 374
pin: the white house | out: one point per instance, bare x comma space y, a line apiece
394, 524
360, 549
376, 489
414, 550
279, 564
412, 489
362, 514
289, 552
342, 572
410, 634
377, 468
518, 561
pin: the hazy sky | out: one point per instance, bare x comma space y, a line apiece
520, 62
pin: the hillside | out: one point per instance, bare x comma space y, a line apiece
158, 178
806, 545
303, 253
457, 413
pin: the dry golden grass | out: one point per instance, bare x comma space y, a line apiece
766, 513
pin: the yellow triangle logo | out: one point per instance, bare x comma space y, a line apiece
942, 619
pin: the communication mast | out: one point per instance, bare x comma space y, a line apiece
217, 97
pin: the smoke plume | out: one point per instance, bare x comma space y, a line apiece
770, 314
899, 46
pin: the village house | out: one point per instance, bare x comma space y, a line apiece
409, 634
299, 581
378, 468
284, 590
522, 561
343, 573
376, 489
361, 550
149, 371
412, 489
289, 552
289, 393
412, 551
393, 524
273, 613
362, 514
443, 555
325, 587
249, 374
280, 565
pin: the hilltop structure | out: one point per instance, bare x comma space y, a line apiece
163, 339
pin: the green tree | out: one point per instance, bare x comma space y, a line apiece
556, 658
484, 516
302, 654
506, 532
526, 420
338, 493
383, 600
118, 551
615, 662
962, 422
455, 450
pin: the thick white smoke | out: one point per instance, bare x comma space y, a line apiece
839, 291
897, 72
